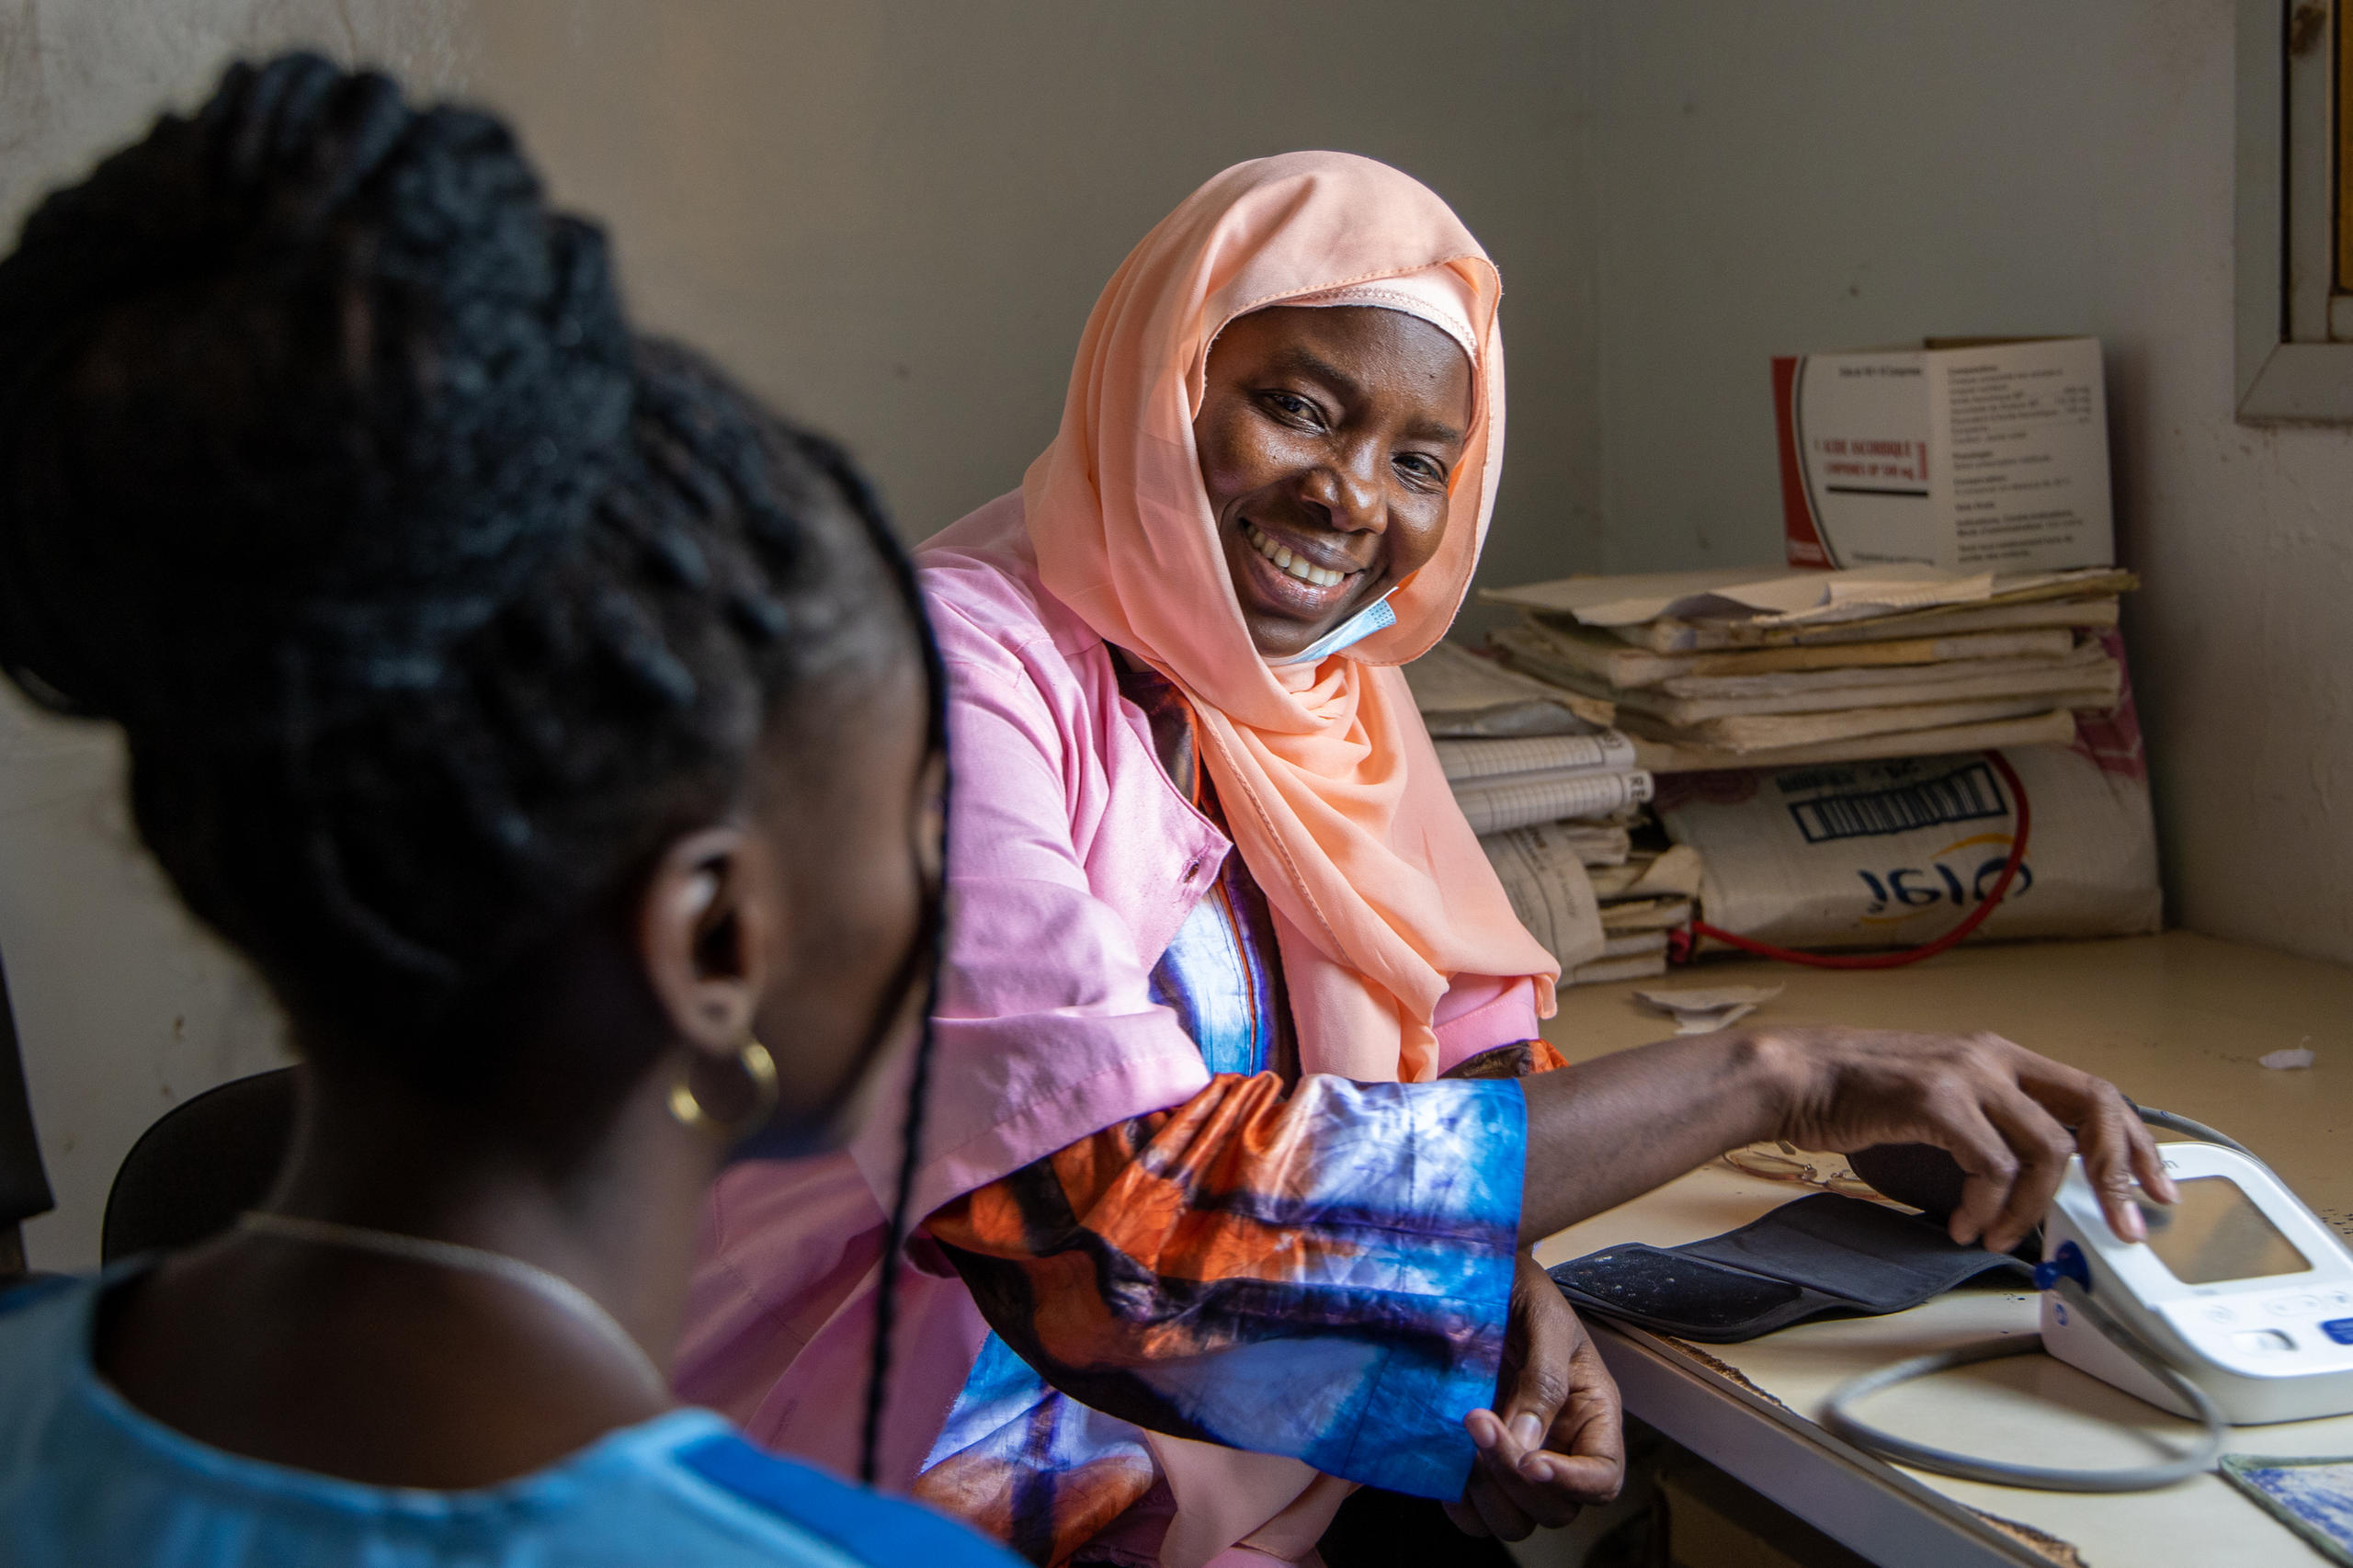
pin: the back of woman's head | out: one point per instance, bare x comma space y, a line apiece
431, 602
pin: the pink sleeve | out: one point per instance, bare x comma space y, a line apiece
1480, 1012
1044, 1031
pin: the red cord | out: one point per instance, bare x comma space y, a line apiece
1701, 929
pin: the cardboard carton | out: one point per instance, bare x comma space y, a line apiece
1964, 455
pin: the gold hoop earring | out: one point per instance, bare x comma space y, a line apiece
758, 1067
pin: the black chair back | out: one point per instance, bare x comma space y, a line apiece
24, 1185
204, 1163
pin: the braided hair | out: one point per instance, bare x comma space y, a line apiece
431, 600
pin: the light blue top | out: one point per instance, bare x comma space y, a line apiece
86, 1480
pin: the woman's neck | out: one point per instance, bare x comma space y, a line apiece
403, 1372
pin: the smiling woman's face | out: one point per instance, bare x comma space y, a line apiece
1327, 435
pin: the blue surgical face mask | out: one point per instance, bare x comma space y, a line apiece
1375, 617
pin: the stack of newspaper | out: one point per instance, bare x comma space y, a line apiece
1748, 669
1550, 793
1501, 783
1642, 899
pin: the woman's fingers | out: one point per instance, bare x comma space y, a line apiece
1515, 1491
2150, 1165
2116, 1148
1556, 1392
1585, 1454
2042, 1149
1988, 1168
1498, 1515
2003, 1112
2028, 1102
1540, 1488
1547, 1469
1580, 1461
1485, 1508
2116, 1145
1465, 1516
1544, 1334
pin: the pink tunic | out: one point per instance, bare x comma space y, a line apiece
1073, 860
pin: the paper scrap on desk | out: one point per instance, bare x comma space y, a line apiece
2312, 1496
2284, 1061
1704, 1012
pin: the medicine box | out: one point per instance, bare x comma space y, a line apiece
1971, 455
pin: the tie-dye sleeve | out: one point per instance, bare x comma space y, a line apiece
1321, 1273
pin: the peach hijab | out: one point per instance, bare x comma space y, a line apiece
1327, 777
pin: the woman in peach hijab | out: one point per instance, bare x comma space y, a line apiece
1239, 1127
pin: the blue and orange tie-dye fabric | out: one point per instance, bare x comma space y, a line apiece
1312, 1267
1321, 1274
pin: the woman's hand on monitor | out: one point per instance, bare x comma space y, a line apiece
1608, 1129
2011, 1118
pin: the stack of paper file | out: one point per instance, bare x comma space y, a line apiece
1738, 669
1516, 750
1549, 792
1641, 901
1505, 784
1465, 697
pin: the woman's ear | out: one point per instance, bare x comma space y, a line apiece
710, 924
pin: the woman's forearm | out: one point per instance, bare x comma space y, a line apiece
1600, 1132
1608, 1129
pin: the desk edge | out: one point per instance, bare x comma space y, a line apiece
1865, 1503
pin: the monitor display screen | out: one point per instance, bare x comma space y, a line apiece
2216, 1233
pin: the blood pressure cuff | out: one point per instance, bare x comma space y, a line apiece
1820, 1254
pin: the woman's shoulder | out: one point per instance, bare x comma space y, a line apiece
862, 1526
86, 1477
44, 1346
980, 577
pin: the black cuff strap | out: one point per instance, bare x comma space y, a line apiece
1820, 1254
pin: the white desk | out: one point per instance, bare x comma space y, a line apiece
2175, 1021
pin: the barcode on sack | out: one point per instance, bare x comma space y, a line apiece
1965, 795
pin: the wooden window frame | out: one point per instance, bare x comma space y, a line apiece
2294, 328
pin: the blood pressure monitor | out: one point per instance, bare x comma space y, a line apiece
2240, 1287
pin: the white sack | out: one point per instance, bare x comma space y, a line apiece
1893, 854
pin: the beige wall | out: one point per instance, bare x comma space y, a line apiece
893, 217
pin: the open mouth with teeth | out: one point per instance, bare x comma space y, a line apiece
1291, 564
